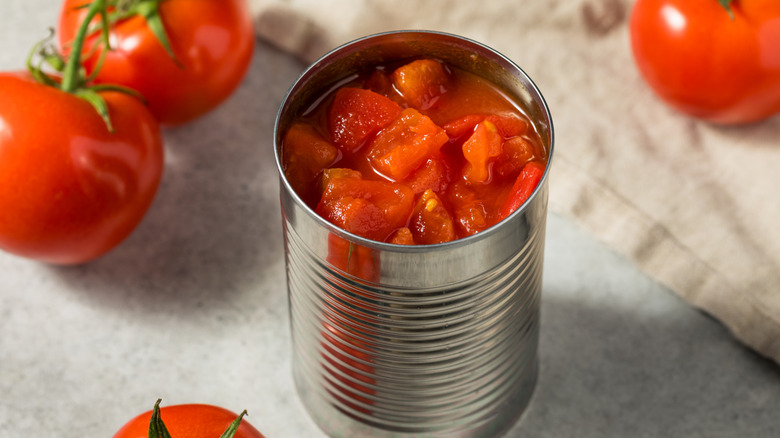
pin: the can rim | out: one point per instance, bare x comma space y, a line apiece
374, 244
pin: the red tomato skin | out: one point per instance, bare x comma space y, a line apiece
703, 63
357, 114
405, 144
371, 209
523, 188
70, 191
189, 421
213, 41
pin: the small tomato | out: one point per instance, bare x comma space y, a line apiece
211, 42
188, 421
715, 60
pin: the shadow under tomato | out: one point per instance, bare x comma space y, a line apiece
762, 134
214, 229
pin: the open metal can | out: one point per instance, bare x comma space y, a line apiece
427, 340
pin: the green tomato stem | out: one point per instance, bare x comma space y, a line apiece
727, 6
70, 76
231, 430
97, 102
157, 428
150, 10
36, 71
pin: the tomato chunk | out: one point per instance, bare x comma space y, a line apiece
463, 126
380, 82
479, 150
509, 125
515, 153
430, 222
521, 190
371, 209
435, 174
402, 236
506, 125
305, 154
421, 82
336, 172
469, 213
406, 144
356, 114
471, 218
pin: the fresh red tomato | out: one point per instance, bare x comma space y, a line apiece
70, 190
709, 61
212, 41
189, 421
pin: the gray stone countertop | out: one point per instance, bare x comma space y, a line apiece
192, 308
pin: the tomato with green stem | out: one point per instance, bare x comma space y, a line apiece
80, 164
188, 421
717, 60
184, 56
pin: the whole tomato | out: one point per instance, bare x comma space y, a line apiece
211, 45
188, 421
70, 190
715, 60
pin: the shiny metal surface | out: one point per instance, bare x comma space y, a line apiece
436, 340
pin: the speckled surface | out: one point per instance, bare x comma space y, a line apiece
193, 308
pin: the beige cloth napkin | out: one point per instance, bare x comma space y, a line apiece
695, 206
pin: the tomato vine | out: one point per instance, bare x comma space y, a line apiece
727, 6
119, 10
72, 78
157, 427
166, 50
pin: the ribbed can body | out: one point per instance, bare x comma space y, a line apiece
373, 359
433, 340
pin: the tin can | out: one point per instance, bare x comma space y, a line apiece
429, 340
